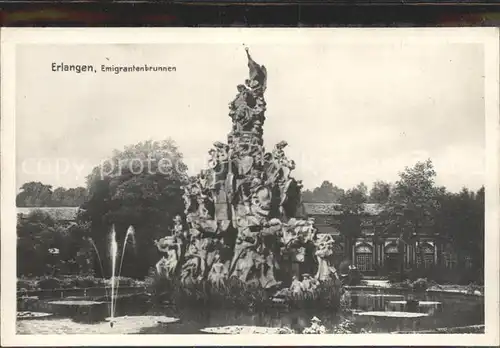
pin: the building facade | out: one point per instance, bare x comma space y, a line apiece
374, 251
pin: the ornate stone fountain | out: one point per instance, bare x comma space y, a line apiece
240, 217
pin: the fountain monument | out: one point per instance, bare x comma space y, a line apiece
241, 213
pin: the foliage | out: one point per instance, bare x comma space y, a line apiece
232, 293
326, 193
344, 266
461, 221
380, 192
420, 285
48, 283
46, 247
412, 206
345, 301
72, 197
439, 274
315, 328
352, 210
326, 295
34, 194
139, 186
37, 194
345, 326
71, 282
354, 277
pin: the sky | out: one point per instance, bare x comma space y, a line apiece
350, 113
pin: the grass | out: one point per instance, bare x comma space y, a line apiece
71, 282
234, 293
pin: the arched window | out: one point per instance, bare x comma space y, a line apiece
391, 257
364, 257
428, 251
391, 249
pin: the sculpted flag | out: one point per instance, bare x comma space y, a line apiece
257, 72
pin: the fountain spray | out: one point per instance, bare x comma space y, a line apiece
113, 252
100, 264
130, 234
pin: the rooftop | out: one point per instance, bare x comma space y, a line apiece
335, 208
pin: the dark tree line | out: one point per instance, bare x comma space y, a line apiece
47, 247
36, 194
142, 190
412, 207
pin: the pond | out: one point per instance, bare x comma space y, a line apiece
437, 311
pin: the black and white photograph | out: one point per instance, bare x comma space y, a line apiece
256, 185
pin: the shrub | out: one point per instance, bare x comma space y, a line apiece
354, 277
345, 301
444, 275
420, 284
121, 281
397, 277
345, 326
344, 267
407, 284
326, 295
27, 284
86, 282
48, 283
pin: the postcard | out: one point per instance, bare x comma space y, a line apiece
250, 186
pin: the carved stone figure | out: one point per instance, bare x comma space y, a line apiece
296, 287
167, 265
324, 251
244, 207
258, 74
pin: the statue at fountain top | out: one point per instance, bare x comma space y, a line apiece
258, 74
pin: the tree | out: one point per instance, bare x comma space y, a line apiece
461, 221
362, 189
35, 236
380, 192
34, 194
412, 206
352, 211
46, 247
326, 193
139, 186
72, 197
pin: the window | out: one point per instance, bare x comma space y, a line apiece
363, 249
428, 252
391, 249
392, 257
364, 262
364, 257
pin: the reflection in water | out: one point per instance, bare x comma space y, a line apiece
456, 311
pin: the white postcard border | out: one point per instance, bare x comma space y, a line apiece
10, 37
